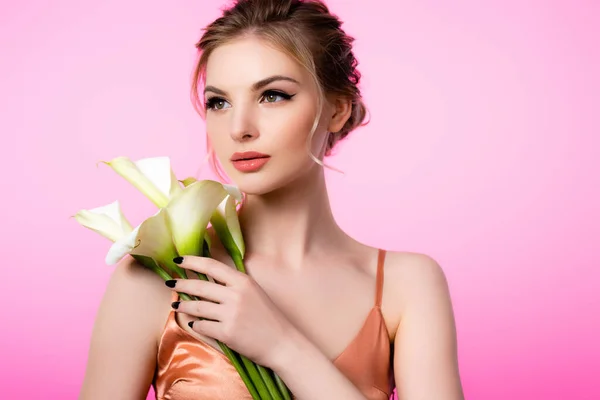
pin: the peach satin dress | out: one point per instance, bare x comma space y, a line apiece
190, 369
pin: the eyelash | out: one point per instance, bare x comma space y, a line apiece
212, 101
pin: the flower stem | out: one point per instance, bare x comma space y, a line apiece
205, 253
276, 387
201, 276
246, 377
267, 376
282, 388
233, 356
243, 366
257, 373
261, 387
239, 262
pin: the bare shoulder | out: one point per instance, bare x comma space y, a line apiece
138, 285
128, 323
424, 331
412, 278
407, 269
142, 290
131, 275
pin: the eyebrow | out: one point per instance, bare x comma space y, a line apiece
256, 86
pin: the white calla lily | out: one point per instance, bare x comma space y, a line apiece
179, 229
189, 213
226, 223
107, 220
152, 238
110, 222
234, 191
152, 176
225, 219
188, 181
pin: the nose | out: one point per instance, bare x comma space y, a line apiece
243, 124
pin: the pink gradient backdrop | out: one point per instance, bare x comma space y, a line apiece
482, 152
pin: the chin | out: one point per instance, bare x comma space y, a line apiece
267, 180
254, 184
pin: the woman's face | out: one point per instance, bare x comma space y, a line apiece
260, 100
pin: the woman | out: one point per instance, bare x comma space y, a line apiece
334, 318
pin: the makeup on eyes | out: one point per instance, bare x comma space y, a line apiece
213, 101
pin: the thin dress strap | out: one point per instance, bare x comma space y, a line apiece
379, 279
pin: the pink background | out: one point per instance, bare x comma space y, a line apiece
482, 152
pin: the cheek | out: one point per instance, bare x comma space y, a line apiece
217, 132
289, 130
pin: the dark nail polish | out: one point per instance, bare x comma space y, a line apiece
178, 260
171, 283
175, 304
191, 324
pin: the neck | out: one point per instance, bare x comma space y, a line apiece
291, 223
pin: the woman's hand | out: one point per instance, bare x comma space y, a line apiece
239, 312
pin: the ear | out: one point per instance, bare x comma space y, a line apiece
342, 109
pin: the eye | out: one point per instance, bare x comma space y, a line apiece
272, 96
215, 103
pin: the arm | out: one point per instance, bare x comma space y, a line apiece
303, 362
122, 354
425, 359
241, 315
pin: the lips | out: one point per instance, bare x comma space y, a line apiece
247, 155
249, 161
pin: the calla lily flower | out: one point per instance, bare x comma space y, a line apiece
110, 222
189, 213
188, 181
227, 225
152, 238
152, 176
179, 229
107, 220
225, 220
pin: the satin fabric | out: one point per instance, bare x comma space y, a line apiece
190, 369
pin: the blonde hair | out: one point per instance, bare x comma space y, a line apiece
307, 32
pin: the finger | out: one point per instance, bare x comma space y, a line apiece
200, 309
195, 287
208, 328
215, 269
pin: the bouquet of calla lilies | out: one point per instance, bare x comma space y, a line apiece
179, 228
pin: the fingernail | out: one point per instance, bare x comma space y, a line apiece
175, 304
191, 324
178, 260
171, 283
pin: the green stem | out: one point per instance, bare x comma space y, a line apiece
245, 375
248, 375
282, 388
260, 376
267, 376
205, 249
274, 386
205, 253
256, 377
202, 276
233, 356
163, 274
178, 270
239, 262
